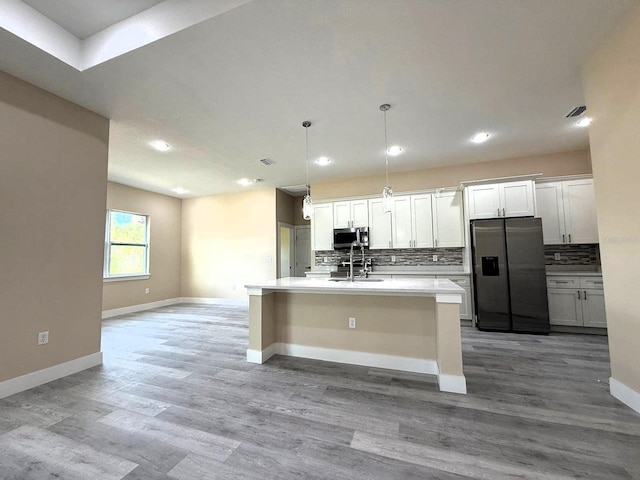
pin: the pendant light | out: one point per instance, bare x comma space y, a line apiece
387, 191
307, 204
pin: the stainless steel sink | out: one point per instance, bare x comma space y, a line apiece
356, 279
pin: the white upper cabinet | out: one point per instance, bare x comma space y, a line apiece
350, 213
421, 221
322, 227
580, 211
567, 210
448, 222
379, 225
401, 222
551, 211
508, 199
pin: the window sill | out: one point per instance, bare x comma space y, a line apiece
126, 278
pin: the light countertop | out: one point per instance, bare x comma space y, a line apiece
402, 286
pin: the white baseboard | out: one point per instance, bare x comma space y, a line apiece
34, 379
625, 394
240, 302
452, 383
392, 362
139, 308
257, 356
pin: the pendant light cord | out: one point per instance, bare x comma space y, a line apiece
306, 135
386, 149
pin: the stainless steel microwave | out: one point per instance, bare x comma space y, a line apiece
343, 238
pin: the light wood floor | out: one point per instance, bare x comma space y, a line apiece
175, 399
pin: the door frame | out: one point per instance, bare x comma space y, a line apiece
292, 251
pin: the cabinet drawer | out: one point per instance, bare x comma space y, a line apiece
563, 282
594, 283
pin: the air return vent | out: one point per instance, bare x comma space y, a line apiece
576, 112
266, 161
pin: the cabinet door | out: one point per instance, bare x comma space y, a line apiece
341, 214
359, 213
421, 221
593, 311
564, 307
322, 227
401, 222
379, 225
448, 226
550, 209
580, 211
516, 199
484, 201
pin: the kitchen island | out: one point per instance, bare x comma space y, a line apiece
402, 324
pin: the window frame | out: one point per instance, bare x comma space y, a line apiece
106, 276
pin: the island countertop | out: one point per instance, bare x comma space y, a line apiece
425, 287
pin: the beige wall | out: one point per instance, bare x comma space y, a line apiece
552, 165
53, 181
289, 209
612, 88
165, 223
228, 241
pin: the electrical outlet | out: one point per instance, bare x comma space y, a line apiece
393, 259
43, 338
352, 322
435, 258
556, 256
146, 291
326, 259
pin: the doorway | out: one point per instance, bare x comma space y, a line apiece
302, 250
286, 250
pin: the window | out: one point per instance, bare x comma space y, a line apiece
126, 245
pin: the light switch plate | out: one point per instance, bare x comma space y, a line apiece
556, 256
435, 258
393, 258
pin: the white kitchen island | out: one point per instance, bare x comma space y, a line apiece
401, 324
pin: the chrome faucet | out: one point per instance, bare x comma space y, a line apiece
366, 264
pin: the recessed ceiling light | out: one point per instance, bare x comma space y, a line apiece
248, 181
480, 137
394, 150
160, 145
323, 161
180, 190
584, 122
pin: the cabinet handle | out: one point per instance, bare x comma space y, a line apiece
563, 240
498, 212
569, 238
579, 295
436, 242
585, 294
503, 214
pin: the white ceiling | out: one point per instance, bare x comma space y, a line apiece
84, 18
235, 87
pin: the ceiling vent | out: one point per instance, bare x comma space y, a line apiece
266, 161
576, 112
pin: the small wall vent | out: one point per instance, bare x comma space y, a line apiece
266, 161
576, 112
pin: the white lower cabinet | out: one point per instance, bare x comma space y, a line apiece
576, 301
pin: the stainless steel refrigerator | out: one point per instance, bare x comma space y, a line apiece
509, 275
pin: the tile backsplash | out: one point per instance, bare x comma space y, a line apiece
404, 257
588, 254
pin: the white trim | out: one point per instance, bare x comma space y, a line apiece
240, 302
125, 278
625, 394
452, 383
514, 178
139, 308
257, 356
40, 377
392, 362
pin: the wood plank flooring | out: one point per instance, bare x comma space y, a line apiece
176, 399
